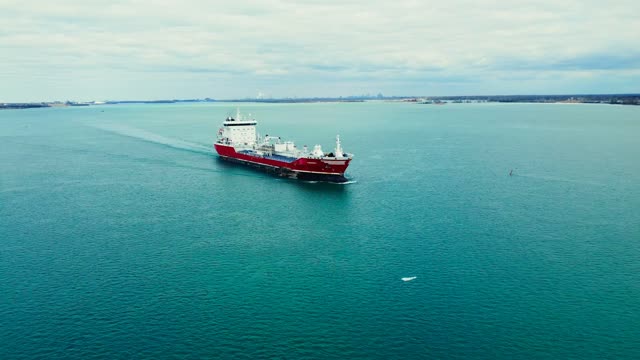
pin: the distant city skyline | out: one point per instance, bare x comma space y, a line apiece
114, 50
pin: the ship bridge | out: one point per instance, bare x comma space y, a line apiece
239, 131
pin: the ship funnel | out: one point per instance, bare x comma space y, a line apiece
317, 151
338, 150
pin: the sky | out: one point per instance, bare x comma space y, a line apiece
153, 49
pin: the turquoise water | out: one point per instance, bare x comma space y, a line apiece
123, 236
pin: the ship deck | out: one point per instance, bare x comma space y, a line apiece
271, 157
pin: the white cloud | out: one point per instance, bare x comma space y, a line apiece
302, 47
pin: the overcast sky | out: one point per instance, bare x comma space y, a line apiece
152, 49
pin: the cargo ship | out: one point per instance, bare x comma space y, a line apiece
238, 141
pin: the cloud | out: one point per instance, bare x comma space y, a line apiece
298, 47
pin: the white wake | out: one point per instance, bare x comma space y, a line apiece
154, 138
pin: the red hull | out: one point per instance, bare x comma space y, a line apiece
301, 165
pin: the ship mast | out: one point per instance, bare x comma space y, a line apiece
338, 149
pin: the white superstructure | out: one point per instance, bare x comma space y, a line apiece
238, 131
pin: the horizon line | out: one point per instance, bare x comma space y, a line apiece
340, 97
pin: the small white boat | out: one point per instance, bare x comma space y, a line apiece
408, 278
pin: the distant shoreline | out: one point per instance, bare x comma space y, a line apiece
613, 99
